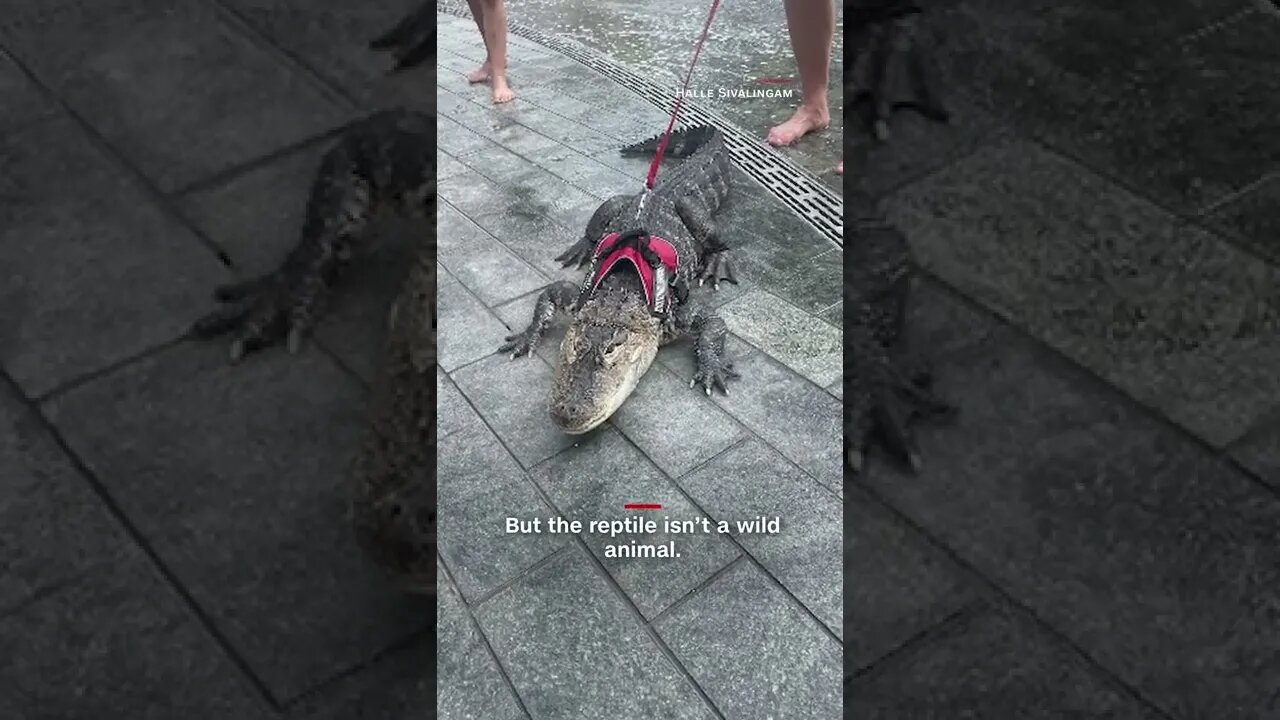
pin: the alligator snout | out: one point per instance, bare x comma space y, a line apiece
575, 418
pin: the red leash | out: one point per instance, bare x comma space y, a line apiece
666, 137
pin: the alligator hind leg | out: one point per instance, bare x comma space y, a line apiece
884, 397
553, 300
288, 301
716, 265
892, 68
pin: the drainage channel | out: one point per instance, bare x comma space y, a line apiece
794, 186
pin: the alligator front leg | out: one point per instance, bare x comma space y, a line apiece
884, 395
555, 299
716, 265
412, 40
891, 67
712, 368
580, 253
289, 300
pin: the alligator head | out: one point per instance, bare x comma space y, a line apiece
607, 348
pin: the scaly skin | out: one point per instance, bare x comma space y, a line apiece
891, 69
612, 336
885, 388
386, 161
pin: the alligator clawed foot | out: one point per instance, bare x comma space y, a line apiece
260, 312
717, 268
714, 373
893, 68
889, 417
519, 344
577, 255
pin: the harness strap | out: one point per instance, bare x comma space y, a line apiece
675, 113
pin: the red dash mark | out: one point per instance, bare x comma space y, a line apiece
775, 80
642, 506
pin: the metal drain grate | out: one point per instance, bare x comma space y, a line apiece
796, 187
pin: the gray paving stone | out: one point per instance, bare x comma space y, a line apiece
783, 664
448, 166
1149, 553
556, 199
394, 688
468, 681
511, 396
465, 331
332, 37
502, 165
178, 90
1260, 453
795, 338
594, 480
767, 240
459, 141
479, 486
453, 412
677, 426
531, 145
920, 146
481, 263
1254, 218
574, 135
990, 666
567, 611
257, 220
52, 525
532, 236
478, 114
236, 476
473, 194
1152, 305
753, 480
117, 643
25, 103
78, 239
798, 418
813, 286
1135, 91
898, 585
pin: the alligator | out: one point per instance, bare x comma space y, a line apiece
386, 161
886, 387
891, 67
644, 252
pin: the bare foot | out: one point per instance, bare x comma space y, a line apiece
502, 93
805, 120
840, 168
480, 74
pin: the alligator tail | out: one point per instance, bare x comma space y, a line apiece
684, 142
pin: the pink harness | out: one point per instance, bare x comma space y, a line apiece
655, 287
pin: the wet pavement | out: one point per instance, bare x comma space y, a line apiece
173, 531
546, 625
1098, 535
748, 49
